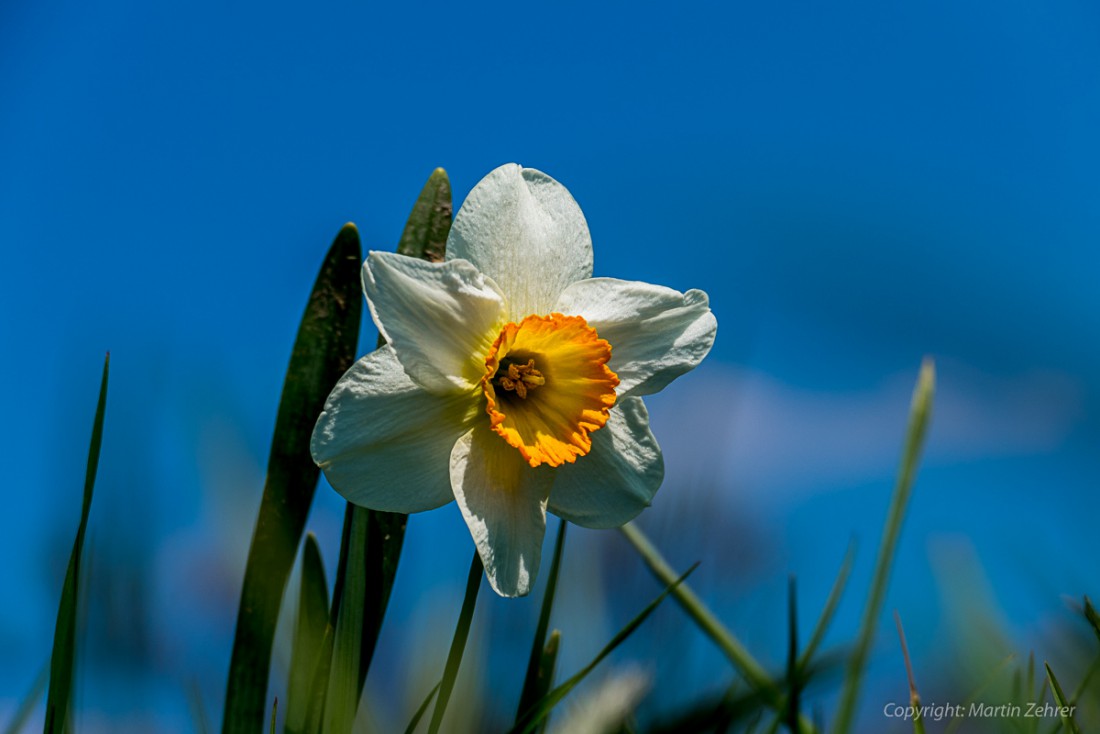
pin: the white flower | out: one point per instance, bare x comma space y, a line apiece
512, 379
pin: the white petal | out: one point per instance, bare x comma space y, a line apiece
656, 333
440, 318
618, 478
524, 230
504, 503
384, 442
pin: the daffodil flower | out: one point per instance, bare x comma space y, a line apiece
511, 380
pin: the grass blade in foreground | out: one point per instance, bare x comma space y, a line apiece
415, 721
309, 631
1060, 701
914, 695
920, 412
538, 681
830, 608
62, 662
532, 718
729, 644
345, 681
458, 644
323, 350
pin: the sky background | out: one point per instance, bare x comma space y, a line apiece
856, 185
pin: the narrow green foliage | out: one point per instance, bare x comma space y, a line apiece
702, 616
920, 414
535, 683
423, 709
323, 350
458, 644
274, 714
794, 677
914, 696
318, 687
63, 660
425, 234
829, 610
548, 666
309, 631
344, 685
1061, 702
19, 719
532, 718
1092, 617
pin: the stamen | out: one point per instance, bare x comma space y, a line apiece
520, 378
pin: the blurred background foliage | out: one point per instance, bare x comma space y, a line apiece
855, 185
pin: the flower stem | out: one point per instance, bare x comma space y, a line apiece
458, 644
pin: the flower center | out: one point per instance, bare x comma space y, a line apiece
518, 378
547, 387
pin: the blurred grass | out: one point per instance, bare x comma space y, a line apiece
63, 661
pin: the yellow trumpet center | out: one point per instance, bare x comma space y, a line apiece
547, 387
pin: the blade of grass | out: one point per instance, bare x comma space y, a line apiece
830, 607
309, 631
458, 644
19, 719
548, 665
1061, 702
274, 714
914, 696
344, 677
794, 677
727, 642
318, 688
956, 721
323, 350
415, 721
532, 718
919, 414
535, 683
63, 659
1092, 617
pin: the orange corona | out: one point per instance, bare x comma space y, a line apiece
547, 387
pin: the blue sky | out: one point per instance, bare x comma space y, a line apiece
854, 184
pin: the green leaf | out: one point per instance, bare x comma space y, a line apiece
1092, 617
920, 414
19, 719
345, 683
537, 683
531, 719
309, 631
1061, 702
794, 674
548, 665
458, 644
63, 660
829, 610
914, 695
703, 617
318, 688
415, 721
323, 350
425, 234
